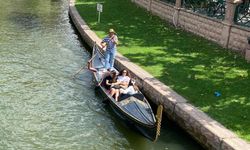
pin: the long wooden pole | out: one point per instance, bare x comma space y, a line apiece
85, 66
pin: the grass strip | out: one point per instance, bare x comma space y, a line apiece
192, 66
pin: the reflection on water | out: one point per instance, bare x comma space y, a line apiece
41, 107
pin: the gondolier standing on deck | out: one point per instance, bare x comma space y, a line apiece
110, 42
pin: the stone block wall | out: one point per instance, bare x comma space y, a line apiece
162, 10
208, 28
143, 3
238, 39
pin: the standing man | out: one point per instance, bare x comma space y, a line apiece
110, 42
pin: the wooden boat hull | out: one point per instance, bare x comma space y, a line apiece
135, 112
148, 131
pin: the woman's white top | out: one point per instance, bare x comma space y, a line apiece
123, 79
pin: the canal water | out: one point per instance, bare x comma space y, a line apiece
41, 106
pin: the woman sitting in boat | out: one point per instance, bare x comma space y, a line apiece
122, 83
109, 80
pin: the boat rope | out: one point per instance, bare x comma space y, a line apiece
158, 121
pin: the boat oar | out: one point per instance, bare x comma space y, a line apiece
73, 76
158, 121
88, 65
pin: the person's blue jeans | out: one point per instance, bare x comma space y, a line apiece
109, 59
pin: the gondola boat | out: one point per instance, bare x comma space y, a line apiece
134, 110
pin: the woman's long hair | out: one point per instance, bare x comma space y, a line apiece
127, 73
114, 77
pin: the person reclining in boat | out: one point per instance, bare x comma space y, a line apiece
132, 89
109, 80
122, 82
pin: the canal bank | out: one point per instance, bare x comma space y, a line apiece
206, 131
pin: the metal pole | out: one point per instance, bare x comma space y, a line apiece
99, 16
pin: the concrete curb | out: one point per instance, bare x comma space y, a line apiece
210, 133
